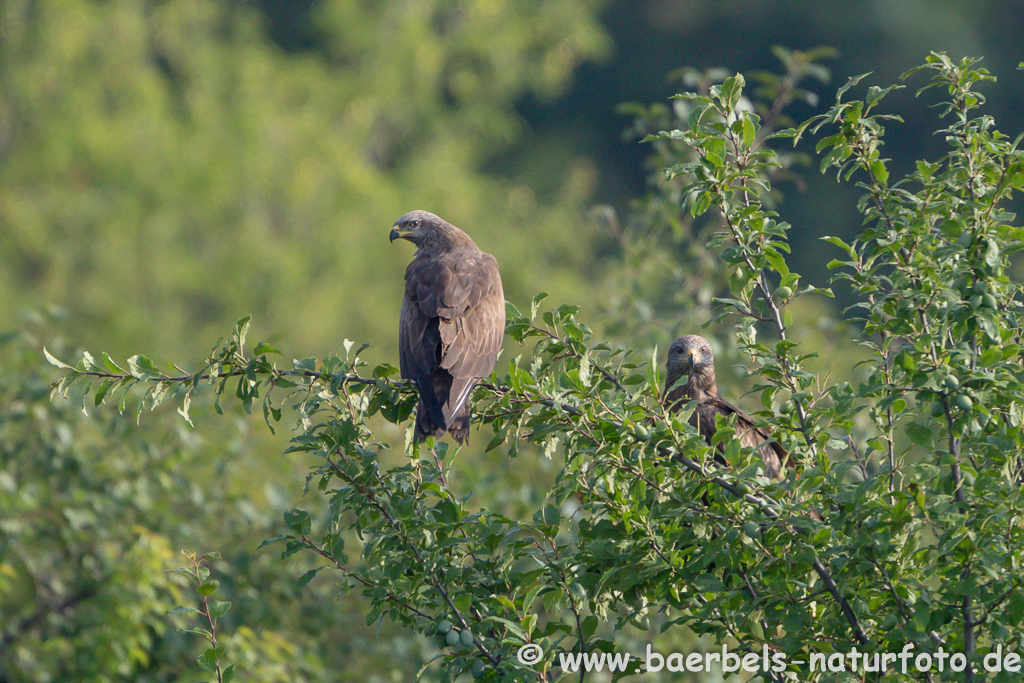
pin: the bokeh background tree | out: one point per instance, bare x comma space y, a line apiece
167, 167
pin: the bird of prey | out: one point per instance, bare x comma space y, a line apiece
452, 321
691, 357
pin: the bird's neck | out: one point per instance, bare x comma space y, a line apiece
701, 385
697, 386
443, 241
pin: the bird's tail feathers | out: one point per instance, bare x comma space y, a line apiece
458, 425
458, 398
430, 416
433, 418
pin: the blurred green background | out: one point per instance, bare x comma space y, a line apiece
167, 167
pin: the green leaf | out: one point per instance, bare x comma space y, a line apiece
208, 660
142, 367
263, 348
777, 261
535, 304
208, 588
197, 632
298, 520
241, 330
308, 576
919, 434
992, 253
186, 403
548, 516
111, 365
218, 608
730, 91
102, 389
90, 363
184, 610
276, 539
53, 361
749, 129
879, 171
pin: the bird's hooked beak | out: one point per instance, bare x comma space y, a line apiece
396, 233
689, 361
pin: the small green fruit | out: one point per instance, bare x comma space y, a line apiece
951, 383
786, 408
452, 638
963, 402
965, 239
466, 638
444, 626
784, 292
751, 529
641, 432
989, 301
975, 301
477, 669
938, 410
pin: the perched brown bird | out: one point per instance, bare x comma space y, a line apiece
452, 322
691, 357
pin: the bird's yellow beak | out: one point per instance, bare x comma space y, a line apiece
396, 233
691, 358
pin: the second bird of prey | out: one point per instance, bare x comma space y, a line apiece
453, 321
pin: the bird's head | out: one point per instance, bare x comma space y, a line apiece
689, 355
415, 226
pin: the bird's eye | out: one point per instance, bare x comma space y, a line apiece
414, 224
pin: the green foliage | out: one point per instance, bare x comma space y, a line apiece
148, 148
212, 610
898, 527
93, 509
161, 166
79, 544
649, 283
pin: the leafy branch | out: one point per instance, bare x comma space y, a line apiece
212, 610
897, 524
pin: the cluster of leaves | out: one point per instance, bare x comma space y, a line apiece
666, 267
198, 572
904, 533
82, 598
941, 498
94, 509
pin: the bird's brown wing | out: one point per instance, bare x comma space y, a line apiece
472, 317
774, 456
419, 343
453, 318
